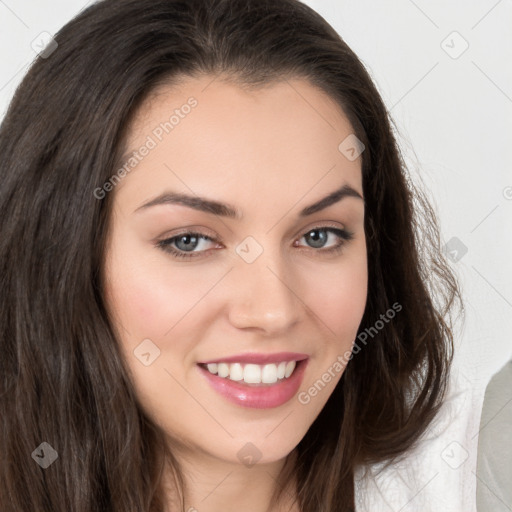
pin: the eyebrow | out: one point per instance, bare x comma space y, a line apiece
226, 210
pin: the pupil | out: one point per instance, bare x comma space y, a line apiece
318, 237
186, 239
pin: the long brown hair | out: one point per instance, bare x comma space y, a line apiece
62, 377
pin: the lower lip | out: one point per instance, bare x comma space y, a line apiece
257, 397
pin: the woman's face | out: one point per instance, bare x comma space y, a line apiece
281, 281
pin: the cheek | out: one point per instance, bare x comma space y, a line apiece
138, 300
338, 296
145, 296
149, 304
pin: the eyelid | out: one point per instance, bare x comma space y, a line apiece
343, 234
188, 230
210, 234
320, 225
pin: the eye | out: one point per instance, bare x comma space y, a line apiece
186, 244
319, 236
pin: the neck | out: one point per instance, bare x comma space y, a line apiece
212, 484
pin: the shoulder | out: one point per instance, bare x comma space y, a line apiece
494, 471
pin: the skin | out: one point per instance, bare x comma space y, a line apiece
269, 153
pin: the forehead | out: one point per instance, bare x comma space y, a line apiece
207, 134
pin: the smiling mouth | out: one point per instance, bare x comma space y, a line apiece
253, 374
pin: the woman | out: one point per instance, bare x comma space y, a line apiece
214, 293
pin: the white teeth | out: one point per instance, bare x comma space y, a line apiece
212, 367
236, 372
289, 369
269, 374
223, 369
253, 373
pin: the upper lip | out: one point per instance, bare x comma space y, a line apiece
256, 358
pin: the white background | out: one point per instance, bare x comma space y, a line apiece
454, 117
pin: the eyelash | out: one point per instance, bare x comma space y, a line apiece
165, 245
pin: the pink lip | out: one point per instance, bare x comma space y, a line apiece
256, 358
264, 396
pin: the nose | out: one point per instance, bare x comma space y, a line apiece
264, 296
